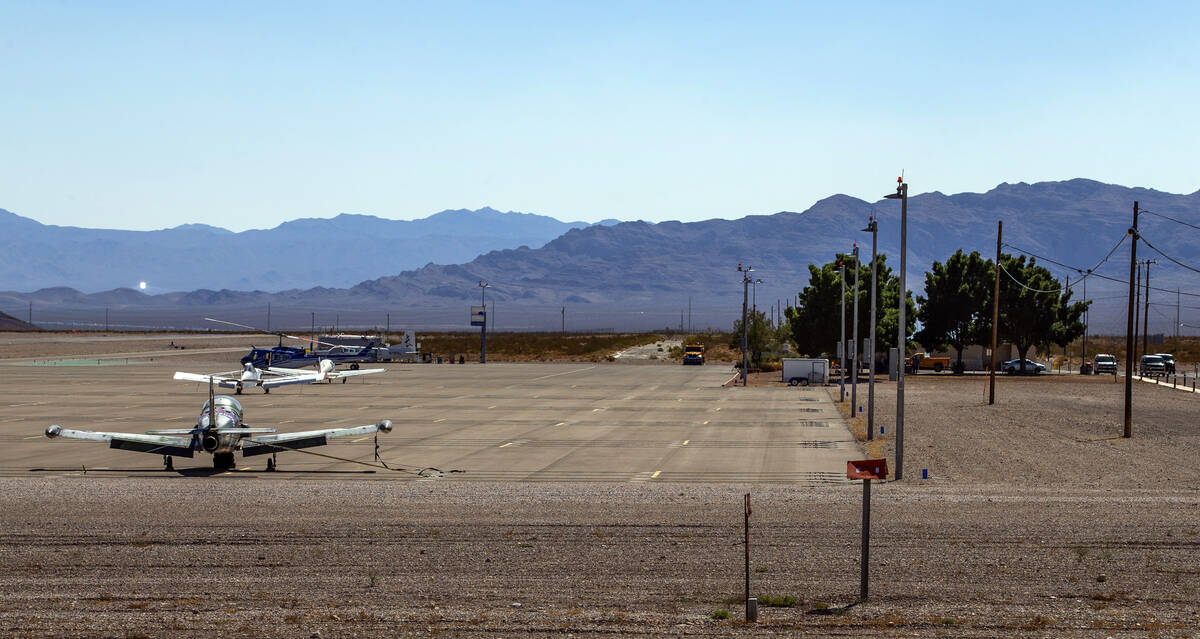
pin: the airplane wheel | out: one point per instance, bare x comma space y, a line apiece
343, 380
266, 390
223, 461
168, 464
354, 367
270, 465
238, 390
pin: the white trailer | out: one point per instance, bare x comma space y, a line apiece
802, 371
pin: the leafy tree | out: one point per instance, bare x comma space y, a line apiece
759, 336
814, 325
1033, 307
957, 310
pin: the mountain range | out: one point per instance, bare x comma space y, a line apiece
642, 275
339, 251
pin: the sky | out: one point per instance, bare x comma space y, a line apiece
146, 115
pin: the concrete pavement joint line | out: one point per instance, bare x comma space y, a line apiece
578, 370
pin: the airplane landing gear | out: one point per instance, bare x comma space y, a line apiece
238, 390
167, 463
271, 464
223, 461
343, 380
266, 390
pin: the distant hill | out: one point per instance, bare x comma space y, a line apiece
637, 274
339, 251
10, 323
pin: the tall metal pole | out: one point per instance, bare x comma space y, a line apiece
1146, 310
995, 317
1176, 313
873, 227
865, 559
842, 344
1133, 230
564, 319
313, 318
105, 319
483, 327
854, 342
902, 342
745, 271
268, 316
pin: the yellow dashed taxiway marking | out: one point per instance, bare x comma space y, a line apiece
685, 442
491, 407
560, 424
705, 423
440, 419
655, 475
33, 437
506, 444
360, 439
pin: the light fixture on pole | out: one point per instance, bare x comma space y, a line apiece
483, 327
842, 343
902, 330
872, 228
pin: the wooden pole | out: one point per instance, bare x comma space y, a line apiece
1129, 344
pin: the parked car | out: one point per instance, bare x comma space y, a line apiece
1152, 365
1168, 362
1013, 367
1104, 363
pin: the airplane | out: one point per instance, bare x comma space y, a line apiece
250, 376
294, 356
219, 431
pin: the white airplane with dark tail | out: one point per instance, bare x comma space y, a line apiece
250, 376
220, 432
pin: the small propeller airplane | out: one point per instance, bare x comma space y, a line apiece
250, 376
220, 432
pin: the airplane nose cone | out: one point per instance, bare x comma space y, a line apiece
385, 425
53, 430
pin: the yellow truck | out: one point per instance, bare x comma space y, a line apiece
693, 354
924, 361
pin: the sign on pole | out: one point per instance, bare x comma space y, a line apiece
478, 315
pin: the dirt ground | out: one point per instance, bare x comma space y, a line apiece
1038, 519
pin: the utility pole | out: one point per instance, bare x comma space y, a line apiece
995, 317
105, 319
1133, 230
1137, 310
313, 318
483, 327
1085, 319
1146, 311
745, 271
842, 344
268, 316
564, 319
387, 332
872, 228
30, 312
854, 342
690, 329
902, 342
1176, 313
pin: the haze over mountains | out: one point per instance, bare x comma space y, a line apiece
641, 275
339, 251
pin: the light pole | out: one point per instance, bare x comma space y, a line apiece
872, 228
1146, 308
854, 343
483, 327
901, 341
745, 271
754, 295
842, 344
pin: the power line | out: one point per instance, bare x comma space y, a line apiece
1147, 243
1167, 217
1010, 276
1092, 273
1077, 270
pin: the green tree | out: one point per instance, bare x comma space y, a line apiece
956, 309
1034, 309
814, 325
759, 336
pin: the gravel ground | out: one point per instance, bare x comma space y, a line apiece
1038, 520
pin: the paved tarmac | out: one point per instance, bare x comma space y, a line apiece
568, 422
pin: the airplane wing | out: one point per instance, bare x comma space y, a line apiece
284, 442
284, 380
352, 373
178, 446
223, 382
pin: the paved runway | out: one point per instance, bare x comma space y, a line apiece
496, 422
